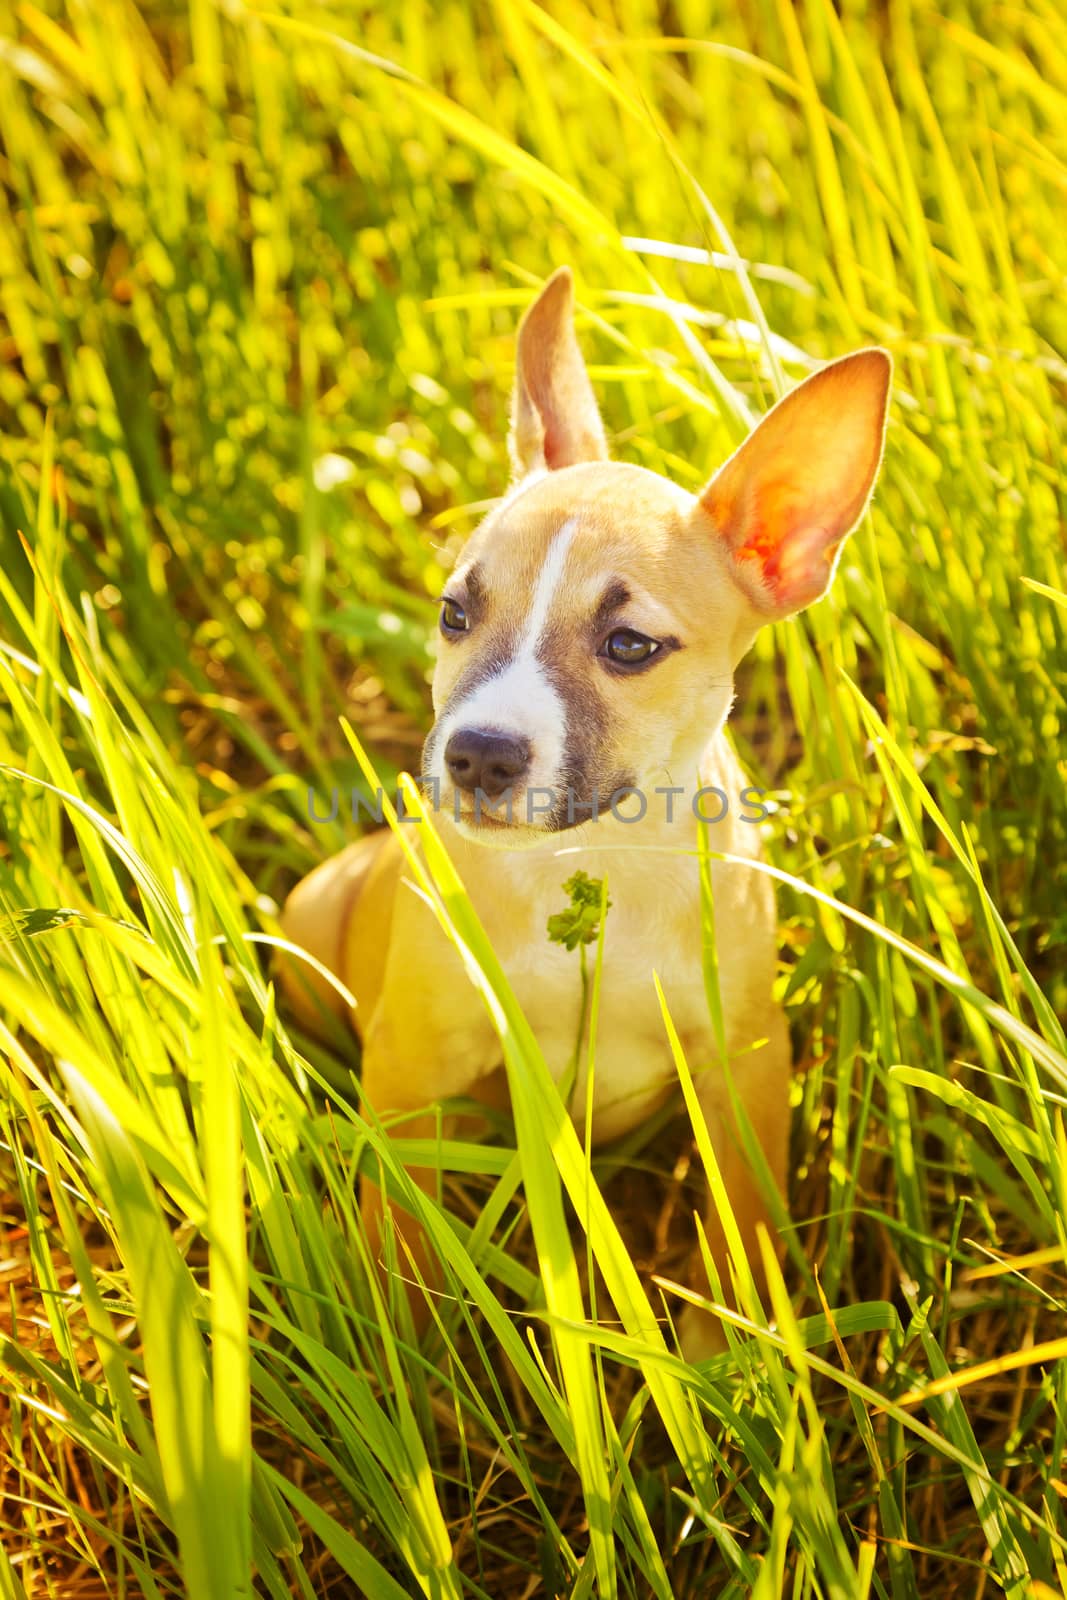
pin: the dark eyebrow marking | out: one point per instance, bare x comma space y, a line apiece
469, 589
614, 598
473, 583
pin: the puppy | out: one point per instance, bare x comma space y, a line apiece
588, 642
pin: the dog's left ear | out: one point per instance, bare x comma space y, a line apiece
554, 416
792, 493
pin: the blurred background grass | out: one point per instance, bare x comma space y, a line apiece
260, 270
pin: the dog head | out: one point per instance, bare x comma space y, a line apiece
590, 632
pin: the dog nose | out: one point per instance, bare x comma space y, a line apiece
491, 762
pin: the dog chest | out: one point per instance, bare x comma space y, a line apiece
644, 933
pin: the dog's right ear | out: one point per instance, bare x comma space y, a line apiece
554, 416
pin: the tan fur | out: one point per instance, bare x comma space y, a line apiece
704, 573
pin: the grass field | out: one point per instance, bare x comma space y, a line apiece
260, 270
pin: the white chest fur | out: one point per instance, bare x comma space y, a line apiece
653, 927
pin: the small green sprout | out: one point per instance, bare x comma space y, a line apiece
580, 923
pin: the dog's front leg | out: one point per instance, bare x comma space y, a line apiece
427, 1041
762, 1083
395, 1086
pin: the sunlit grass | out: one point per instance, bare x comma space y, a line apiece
259, 276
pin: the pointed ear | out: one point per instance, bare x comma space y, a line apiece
554, 418
788, 498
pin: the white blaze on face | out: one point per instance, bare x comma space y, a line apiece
520, 700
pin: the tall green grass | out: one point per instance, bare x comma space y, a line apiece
259, 275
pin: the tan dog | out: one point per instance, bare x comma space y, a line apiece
589, 638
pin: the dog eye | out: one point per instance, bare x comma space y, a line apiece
453, 617
629, 649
